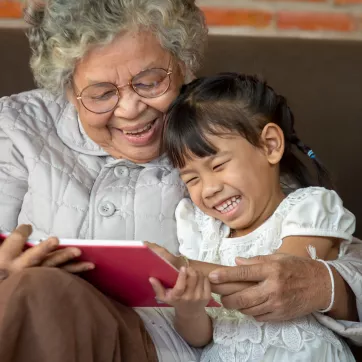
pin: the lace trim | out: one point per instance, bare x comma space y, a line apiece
238, 337
212, 231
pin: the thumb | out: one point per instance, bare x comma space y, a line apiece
158, 288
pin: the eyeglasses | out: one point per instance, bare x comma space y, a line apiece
104, 97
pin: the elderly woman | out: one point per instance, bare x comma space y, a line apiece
80, 158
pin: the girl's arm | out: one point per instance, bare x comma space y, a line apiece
195, 329
206, 269
344, 306
203, 267
326, 248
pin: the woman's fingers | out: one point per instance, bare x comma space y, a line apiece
61, 256
247, 298
261, 306
13, 258
36, 254
242, 273
14, 244
78, 267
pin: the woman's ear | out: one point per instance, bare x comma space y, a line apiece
72, 98
272, 138
70, 95
186, 73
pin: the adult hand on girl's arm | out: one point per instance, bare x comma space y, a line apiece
14, 259
203, 267
286, 287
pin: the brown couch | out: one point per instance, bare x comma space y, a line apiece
321, 78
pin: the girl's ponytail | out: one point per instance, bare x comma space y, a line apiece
291, 164
324, 178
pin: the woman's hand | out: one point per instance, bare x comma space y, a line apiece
14, 259
286, 286
189, 296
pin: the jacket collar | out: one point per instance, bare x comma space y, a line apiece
71, 132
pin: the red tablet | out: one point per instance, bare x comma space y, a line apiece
123, 269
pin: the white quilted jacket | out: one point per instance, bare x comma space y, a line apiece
55, 178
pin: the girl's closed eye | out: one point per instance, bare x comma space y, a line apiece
191, 180
219, 166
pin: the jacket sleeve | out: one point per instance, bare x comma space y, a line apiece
349, 267
13, 181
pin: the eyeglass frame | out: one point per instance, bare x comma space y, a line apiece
129, 84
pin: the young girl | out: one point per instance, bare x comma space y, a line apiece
233, 139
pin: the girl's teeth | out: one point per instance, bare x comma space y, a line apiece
229, 204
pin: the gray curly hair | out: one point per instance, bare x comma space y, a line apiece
63, 31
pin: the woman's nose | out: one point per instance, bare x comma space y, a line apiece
130, 104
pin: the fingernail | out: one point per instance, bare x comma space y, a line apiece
151, 282
183, 269
77, 253
52, 243
157, 300
214, 277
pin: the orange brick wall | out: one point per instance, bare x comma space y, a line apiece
332, 18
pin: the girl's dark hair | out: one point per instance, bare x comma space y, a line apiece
243, 104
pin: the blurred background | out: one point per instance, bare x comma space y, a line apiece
301, 18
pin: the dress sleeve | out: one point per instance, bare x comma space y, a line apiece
316, 211
188, 230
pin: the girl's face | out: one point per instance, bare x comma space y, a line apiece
239, 185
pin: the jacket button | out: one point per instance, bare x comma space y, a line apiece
106, 209
121, 171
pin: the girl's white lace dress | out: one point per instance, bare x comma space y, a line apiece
312, 211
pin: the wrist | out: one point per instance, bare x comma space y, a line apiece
189, 314
326, 299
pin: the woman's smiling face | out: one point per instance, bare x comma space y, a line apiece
132, 130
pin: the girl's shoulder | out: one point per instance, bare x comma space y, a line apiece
313, 198
315, 211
